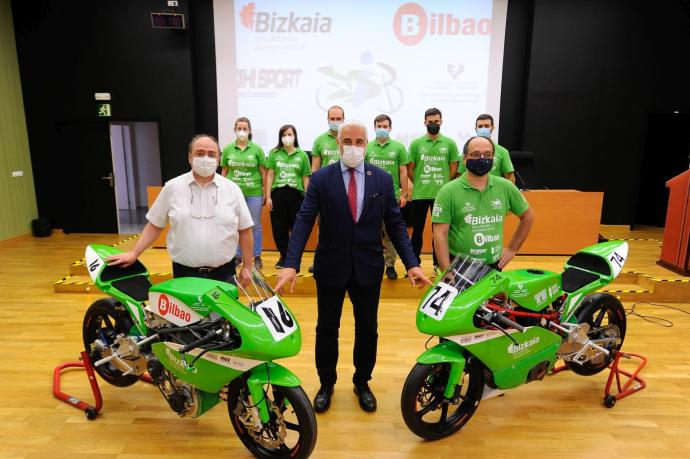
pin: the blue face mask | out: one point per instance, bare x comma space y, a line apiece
334, 126
480, 166
484, 132
382, 133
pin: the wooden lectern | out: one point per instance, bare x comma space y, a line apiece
674, 251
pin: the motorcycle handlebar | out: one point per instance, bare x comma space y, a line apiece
506, 321
493, 316
199, 342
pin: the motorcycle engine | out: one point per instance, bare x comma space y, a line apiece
129, 358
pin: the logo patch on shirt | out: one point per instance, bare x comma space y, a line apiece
436, 212
469, 207
496, 204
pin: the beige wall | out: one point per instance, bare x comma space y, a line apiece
17, 195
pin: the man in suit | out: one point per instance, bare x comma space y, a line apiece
353, 200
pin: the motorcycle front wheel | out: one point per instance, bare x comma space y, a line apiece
427, 412
104, 320
606, 318
291, 430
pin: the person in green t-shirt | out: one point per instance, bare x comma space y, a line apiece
503, 166
286, 179
244, 162
433, 162
325, 151
325, 148
391, 156
469, 212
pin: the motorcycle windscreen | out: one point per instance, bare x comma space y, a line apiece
464, 272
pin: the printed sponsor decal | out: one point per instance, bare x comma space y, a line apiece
274, 22
480, 239
468, 207
436, 212
555, 288
479, 337
523, 347
172, 309
496, 203
230, 361
540, 297
482, 219
411, 24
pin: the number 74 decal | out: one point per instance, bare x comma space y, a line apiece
438, 300
277, 318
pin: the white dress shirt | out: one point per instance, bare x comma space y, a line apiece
204, 221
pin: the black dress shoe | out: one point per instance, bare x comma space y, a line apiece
322, 401
281, 263
367, 401
391, 274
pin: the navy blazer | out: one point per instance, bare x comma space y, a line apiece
344, 245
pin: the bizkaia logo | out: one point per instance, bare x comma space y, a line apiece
265, 22
172, 309
411, 24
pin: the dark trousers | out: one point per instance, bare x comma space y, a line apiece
420, 207
224, 273
365, 304
286, 204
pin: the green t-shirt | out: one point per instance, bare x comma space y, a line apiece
502, 163
243, 167
431, 160
389, 157
326, 146
476, 217
289, 168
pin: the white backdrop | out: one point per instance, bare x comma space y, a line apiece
285, 62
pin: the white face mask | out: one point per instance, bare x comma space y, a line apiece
288, 140
352, 156
204, 166
242, 134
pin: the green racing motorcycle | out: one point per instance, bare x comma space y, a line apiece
201, 345
504, 329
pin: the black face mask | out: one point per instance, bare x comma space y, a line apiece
480, 166
433, 128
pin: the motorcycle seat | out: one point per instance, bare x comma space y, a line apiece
573, 279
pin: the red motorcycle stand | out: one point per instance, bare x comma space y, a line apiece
91, 411
85, 363
624, 389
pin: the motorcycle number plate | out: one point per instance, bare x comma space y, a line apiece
438, 300
277, 318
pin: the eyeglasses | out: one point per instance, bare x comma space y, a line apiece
474, 155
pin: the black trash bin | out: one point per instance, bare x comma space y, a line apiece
41, 227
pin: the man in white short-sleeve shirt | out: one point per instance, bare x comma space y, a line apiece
208, 219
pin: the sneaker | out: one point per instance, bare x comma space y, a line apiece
281, 263
258, 263
390, 273
311, 269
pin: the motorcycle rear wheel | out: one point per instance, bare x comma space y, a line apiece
422, 395
295, 412
106, 318
601, 311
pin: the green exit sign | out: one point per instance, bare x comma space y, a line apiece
104, 110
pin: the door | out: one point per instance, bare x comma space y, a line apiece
90, 180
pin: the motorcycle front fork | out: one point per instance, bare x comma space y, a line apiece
454, 376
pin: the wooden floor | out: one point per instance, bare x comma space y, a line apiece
561, 416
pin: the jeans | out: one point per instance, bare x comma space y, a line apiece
255, 205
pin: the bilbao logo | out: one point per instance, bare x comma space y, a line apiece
163, 304
272, 22
411, 24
